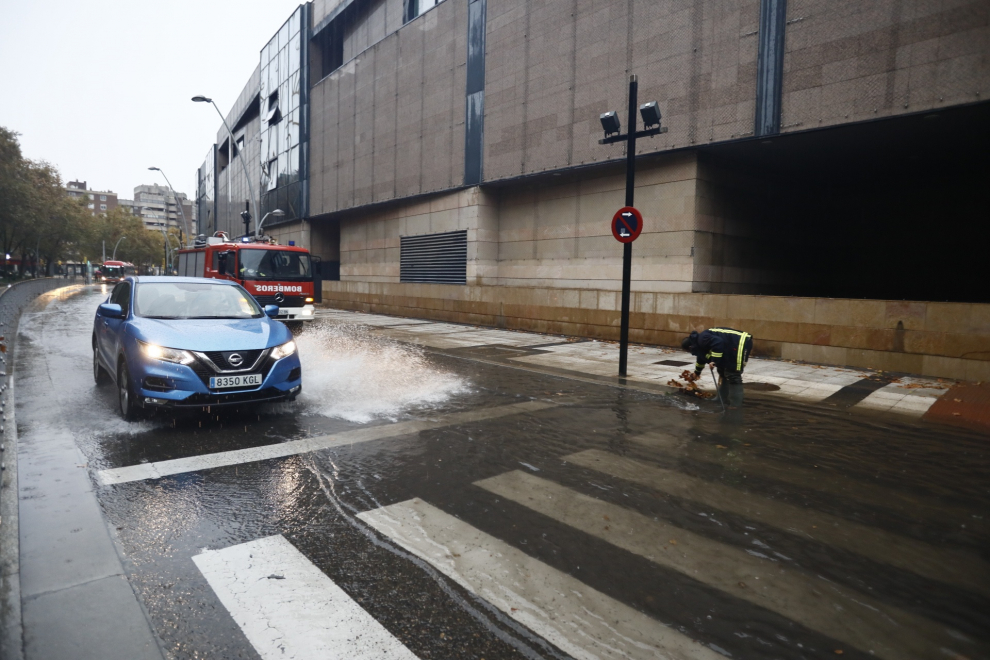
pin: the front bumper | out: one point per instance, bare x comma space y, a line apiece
168, 385
304, 313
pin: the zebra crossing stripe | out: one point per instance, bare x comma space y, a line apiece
955, 567
582, 622
288, 608
826, 481
852, 618
306, 445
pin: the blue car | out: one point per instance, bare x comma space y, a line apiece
191, 343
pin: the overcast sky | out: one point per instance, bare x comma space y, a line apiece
102, 88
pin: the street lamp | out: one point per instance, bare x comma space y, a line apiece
650, 112
114, 257
230, 135
177, 202
278, 213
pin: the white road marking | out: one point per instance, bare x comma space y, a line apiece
952, 566
306, 445
288, 608
579, 620
847, 616
832, 481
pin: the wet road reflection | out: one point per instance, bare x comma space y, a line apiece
602, 522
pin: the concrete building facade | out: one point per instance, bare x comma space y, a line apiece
816, 153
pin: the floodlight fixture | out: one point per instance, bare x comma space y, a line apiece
610, 122
650, 112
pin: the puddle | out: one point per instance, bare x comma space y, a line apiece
353, 374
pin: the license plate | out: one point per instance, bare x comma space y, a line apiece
224, 382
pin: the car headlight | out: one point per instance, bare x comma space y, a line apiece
157, 352
285, 350
309, 300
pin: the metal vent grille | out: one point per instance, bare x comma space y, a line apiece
437, 258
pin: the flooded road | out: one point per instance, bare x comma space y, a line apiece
418, 503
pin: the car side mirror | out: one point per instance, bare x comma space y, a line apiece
270, 310
111, 310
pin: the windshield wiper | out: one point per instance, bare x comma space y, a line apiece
168, 318
221, 317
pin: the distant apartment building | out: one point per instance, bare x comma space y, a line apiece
157, 206
128, 205
99, 201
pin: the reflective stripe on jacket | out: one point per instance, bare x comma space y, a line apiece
723, 346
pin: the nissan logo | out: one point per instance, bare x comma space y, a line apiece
280, 297
235, 359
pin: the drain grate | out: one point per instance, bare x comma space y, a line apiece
673, 363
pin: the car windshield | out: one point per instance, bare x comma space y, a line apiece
194, 300
113, 270
273, 265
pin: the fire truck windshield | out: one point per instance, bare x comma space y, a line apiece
282, 265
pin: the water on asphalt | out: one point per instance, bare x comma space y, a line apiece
794, 532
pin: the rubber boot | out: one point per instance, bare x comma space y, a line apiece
734, 394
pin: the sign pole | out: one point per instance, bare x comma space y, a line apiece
627, 247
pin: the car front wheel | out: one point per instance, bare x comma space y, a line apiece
99, 374
125, 393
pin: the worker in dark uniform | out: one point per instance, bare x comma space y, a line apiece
729, 349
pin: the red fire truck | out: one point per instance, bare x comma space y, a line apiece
274, 274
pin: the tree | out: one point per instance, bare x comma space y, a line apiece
14, 191
38, 218
142, 247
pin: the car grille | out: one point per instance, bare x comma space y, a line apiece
221, 359
205, 372
289, 301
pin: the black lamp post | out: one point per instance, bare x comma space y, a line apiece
612, 127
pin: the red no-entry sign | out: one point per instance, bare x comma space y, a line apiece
627, 224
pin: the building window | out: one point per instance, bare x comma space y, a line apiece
416, 7
330, 43
92, 206
274, 114
103, 207
103, 198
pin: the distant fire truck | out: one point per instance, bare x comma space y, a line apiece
274, 274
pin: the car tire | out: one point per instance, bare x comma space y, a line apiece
99, 373
125, 393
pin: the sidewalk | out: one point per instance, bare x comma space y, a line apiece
966, 405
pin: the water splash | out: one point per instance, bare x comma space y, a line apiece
353, 374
